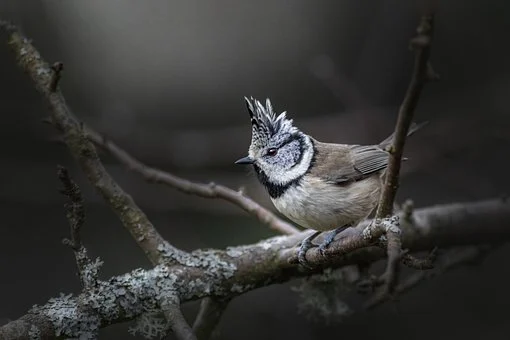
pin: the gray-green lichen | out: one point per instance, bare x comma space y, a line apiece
391, 224
151, 324
234, 252
88, 269
215, 269
68, 318
271, 242
34, 333
137, 294
321, 296
122, 297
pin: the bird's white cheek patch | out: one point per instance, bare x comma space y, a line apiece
284, 177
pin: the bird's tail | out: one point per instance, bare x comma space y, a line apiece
412, 129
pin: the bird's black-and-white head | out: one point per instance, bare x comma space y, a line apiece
280, 153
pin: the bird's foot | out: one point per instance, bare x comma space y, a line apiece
306, 245
330, 237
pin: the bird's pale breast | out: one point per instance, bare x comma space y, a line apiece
318, 205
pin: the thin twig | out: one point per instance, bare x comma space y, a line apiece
210, 190
131, 216
75, 211
421, 73
420, 264
55, 76
208, 317
177, 322
88, 270
421, 43
449, 261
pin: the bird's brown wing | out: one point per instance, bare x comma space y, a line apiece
341, 164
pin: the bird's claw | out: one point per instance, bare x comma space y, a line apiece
322, 248
303, 248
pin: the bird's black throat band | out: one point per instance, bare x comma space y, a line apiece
274, 190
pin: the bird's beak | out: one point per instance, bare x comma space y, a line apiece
245, 160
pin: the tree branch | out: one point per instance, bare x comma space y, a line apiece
422, 69
211, 190
177, 322
131, 216
421, 44
236, 270
178, 276
449, 261
88, 270
209, 316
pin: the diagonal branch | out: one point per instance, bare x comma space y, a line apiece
421, 73
88, 270
449, 261
75, 211
211, 190
211, 310
84, 152
178, 324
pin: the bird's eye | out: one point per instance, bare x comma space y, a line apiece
272, 152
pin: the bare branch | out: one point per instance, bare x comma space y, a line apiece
449, 261
131, 216
177, 322
56, 69
421, 264
210, 190
421, 73
88, 270
236, 270
75, 210
421, 43
208, 317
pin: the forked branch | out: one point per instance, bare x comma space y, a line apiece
45, 79
236, 270
211, 190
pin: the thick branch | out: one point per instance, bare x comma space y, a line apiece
210, 190
233, 271
131, 216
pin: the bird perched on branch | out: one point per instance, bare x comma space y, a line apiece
319, 186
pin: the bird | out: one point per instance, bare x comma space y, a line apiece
321, 186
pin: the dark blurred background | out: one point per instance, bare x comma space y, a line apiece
166, 79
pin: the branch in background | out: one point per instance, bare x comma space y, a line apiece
236, 270
177, 322
421, 72
451, 260
209, 316
55, 75
88, 270
75, 210
46, 80
211, 190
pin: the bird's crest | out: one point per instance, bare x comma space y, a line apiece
265, 123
